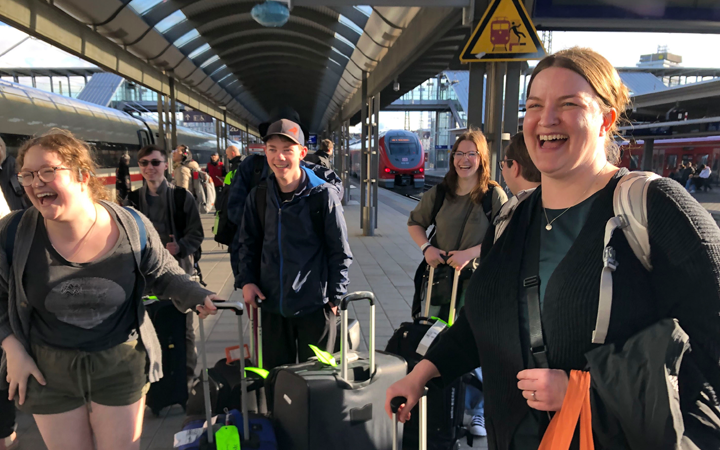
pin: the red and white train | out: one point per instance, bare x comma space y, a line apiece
402, 161
668, 154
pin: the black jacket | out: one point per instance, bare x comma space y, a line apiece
297, 270
321, 158
12, 190
685, 243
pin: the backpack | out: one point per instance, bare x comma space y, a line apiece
630, 209
224, 229
204, 190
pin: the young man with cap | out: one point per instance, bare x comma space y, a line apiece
293, 251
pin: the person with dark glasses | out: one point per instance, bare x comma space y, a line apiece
175, 216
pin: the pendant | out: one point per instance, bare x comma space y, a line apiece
548, 227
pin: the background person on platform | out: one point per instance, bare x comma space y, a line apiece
216, 169
574, 100
323, 156
300, 273
82, 372
183, 166
12, 190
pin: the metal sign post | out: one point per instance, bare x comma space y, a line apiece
347, 168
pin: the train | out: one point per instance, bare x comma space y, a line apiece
402, 160
668, 154
26, 112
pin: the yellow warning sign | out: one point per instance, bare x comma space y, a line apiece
505, 33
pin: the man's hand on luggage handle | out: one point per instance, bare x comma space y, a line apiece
250, 293
207, 308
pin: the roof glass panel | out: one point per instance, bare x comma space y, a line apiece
186, 38
199, 51
338, 52
367, 10
143, 6
170, 21
209, 61
340, 38
350, 24
225, 78
224, 66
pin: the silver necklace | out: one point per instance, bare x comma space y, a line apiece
550, 222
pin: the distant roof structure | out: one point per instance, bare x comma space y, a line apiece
101, 88
460, 82
642, 83
49, 71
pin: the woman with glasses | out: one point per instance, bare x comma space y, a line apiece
543, 273
468, 200
79, 347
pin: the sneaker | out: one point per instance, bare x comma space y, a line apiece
477, 426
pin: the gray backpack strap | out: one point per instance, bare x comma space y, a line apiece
630, 208
506, 212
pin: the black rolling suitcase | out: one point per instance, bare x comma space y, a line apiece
172, 388
319, 406
446, 406
421, 409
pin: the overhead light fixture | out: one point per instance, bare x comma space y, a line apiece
396, 85
270, 14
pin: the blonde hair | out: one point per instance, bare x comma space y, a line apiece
74, 153
605, 81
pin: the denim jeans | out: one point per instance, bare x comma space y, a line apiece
475, 398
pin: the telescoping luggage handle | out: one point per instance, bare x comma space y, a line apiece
238, 308
355, 296
259, 348
453, 298
395, 404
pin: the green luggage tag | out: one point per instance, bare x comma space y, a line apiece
227, 437
323, 356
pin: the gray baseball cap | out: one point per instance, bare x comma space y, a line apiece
287, 128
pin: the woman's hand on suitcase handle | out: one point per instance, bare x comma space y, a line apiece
412, 387
207, 308
20, 366
250, 292
434, 256
458, 259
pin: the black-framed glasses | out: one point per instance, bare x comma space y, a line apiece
46, 175
507, 161
154, 162
470, 155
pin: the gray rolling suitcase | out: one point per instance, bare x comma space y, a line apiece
319, 406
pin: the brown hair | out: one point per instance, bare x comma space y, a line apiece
484, 182
604, 80
327, 144
73, 152
518, 152
143, 152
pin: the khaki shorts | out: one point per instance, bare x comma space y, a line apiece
112, 377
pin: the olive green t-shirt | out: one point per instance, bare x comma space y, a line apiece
451, 215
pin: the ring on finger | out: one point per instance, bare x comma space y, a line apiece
533, 395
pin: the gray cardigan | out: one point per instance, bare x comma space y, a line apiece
158, 269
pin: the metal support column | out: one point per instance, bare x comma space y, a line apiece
493, 115
247, 138
375, 158
166, 114
512, 97
648, 154
225, 127
364, 160
161, 122
476, 95
173, 109
217, 135
347, 168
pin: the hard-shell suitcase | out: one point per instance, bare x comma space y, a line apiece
169, 325
446, 406
256, 431
320, 406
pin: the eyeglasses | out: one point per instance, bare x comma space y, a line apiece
46, 175
154, 162
470, 155
509, 163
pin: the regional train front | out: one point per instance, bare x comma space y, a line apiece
402, 162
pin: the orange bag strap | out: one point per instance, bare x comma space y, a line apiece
576, 406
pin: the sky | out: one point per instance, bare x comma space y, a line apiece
621, 49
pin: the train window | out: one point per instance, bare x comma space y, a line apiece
634, 164
703, 159
144, 138
671, 161
403, 148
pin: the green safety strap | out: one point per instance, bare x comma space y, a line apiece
262, 372
323, 356
439, 320
229, 177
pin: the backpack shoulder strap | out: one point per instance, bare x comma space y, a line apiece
487, 203
439, 199
10, 238
179, 218
141, 229
317, 212
134, 197
630, 209
258, 165
261, 202
503, 217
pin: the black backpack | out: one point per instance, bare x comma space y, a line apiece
225, 229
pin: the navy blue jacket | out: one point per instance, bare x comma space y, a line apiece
297, 270
241, 185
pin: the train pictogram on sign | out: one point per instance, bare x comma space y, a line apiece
505, 33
